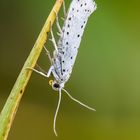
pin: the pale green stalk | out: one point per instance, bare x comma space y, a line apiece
9, 110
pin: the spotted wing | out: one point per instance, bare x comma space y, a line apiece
68, 44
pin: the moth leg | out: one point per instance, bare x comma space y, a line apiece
37, 71
49, 72
40, 72
40, 69
57, 24
59, 34
64, 8
53, 40
64, 11
48, 54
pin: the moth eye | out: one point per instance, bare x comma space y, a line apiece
56, 85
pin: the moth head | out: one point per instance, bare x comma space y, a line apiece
55, 86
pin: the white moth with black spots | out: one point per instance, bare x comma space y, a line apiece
67, 47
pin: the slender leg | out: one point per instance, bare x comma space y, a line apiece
48, 54
63, 18
39, 72
64, 8
53, 40
49, 72
40, 69
59, 34
57, 23
64, 11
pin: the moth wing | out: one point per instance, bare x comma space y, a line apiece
73, 29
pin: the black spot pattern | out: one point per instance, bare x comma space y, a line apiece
73, 30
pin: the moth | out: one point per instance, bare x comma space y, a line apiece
66, 48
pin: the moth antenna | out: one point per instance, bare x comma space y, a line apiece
86, 106
56, 112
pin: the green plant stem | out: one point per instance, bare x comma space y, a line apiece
9, 111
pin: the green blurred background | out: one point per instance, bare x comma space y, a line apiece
106, 75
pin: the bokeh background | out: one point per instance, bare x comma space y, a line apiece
106, 74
